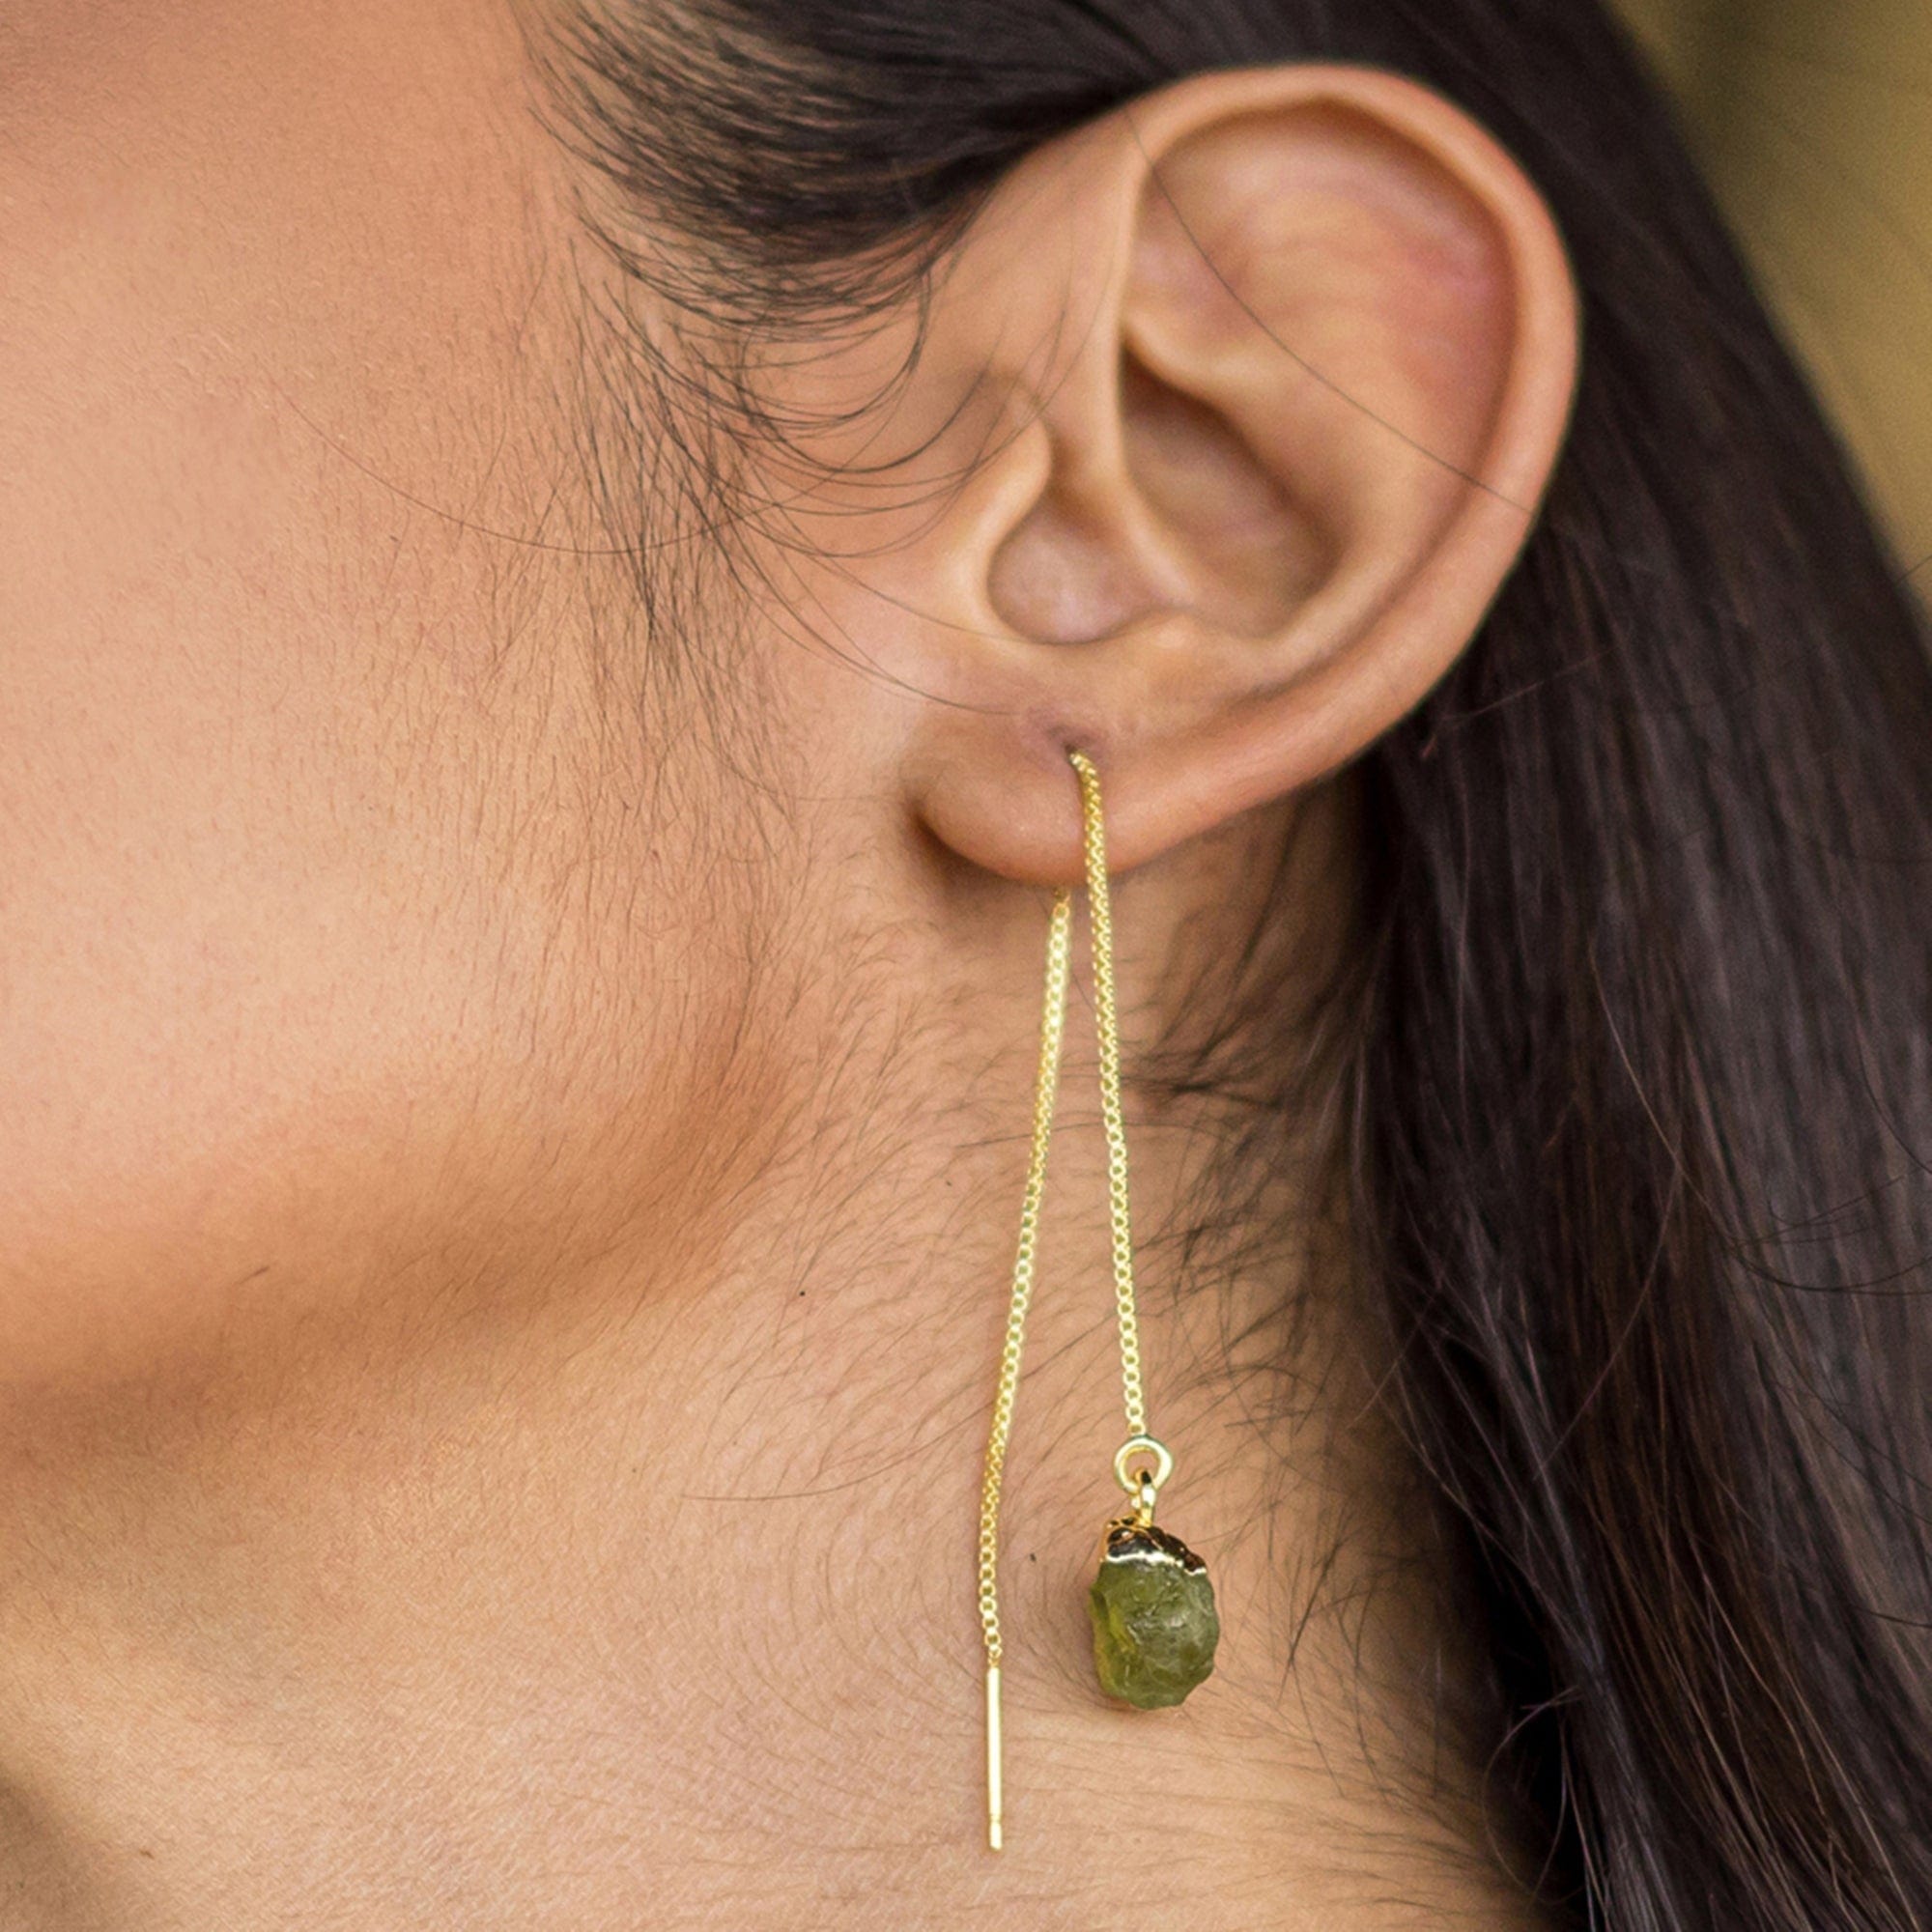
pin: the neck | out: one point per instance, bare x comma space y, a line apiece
651, 1602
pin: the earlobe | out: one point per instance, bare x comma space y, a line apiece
1290, 450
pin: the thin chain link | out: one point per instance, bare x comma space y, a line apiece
1052, 1028
1111, 1120
1052, 1024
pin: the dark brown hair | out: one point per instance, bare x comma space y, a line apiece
1641, 1084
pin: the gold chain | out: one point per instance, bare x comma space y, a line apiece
1052, 1026
1106, 1027
1052, 1023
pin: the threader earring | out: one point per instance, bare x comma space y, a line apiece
1152, 1605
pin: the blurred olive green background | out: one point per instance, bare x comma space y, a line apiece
1813, 120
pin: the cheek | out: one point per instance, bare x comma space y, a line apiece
242, 925
319, 979
287, 930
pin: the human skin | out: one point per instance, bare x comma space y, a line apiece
511, 1131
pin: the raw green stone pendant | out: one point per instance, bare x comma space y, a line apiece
1154, 1621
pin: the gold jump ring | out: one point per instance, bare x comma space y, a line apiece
1135, 1446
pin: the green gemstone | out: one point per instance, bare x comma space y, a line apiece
1154, 1622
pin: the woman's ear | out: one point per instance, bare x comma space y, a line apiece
1291, 352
